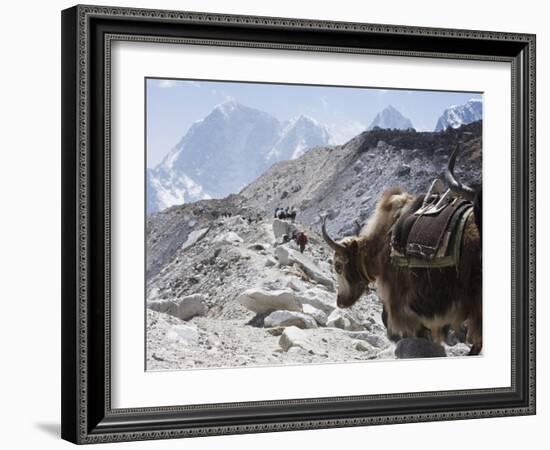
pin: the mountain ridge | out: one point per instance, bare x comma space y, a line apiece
232, 139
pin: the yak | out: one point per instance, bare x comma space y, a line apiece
415, 300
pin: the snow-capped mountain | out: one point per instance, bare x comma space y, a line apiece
390, 118
297, 137
225, 151
458, 115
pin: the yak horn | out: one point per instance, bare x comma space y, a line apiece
456, 186
331, 243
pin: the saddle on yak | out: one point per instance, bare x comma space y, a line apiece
430, 234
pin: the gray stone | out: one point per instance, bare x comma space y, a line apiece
319, 316
310, 269
185, 333
319, 299
344, 320
183, 308
402, 171
293, 337
373, 339
270, 262
261, 301
364, 346
289, 318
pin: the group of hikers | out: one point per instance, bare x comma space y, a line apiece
288, 213
297, 236
285, 213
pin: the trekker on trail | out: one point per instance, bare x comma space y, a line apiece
301, 240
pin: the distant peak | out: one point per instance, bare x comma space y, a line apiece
390, 117
305, 118
228, 105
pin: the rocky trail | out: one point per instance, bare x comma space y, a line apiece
233, 295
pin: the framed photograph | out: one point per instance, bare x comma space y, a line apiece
277, 224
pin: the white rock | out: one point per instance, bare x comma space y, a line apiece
293, 337
184, 308
270, 262
344, 320
319, 316
310, 269
296, 284
186, 333
281, 227
194, 237
289, 318
282, 255
230, 238
319, 299
261, 301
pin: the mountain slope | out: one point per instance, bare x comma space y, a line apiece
346, 181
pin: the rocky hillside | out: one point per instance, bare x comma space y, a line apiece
223, 290
234, 295
346, 181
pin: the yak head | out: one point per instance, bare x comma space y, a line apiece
355, 259
351, 283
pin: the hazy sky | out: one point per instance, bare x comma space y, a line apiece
173, 106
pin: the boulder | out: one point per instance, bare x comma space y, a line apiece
283, 255
229, 238
418, 348
194, 237
183, 308
344, 320
270, 262
319, 316
293, 337
402, 171
310, 269
373, 339
289, 318
184, 333
281, 227
319, 299
262, 302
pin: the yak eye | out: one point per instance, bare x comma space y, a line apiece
338, 267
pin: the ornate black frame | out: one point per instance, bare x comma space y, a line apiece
87, 31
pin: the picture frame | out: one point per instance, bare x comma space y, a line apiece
88, 33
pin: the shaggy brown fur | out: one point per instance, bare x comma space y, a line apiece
414, 299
